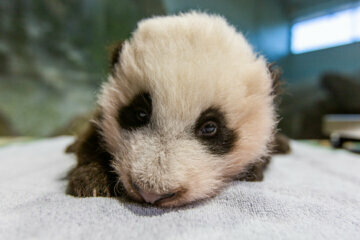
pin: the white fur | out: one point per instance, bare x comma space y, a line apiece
187, 63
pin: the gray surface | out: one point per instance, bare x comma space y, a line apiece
311, 194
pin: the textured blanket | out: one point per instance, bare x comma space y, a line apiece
313, 193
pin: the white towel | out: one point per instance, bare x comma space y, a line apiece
313, 193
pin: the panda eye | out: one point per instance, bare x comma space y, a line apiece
137, 114
208, 129
142, 115
211, 130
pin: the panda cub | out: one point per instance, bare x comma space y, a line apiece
188, 107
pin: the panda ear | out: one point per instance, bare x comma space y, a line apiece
89, 145
114, 54
275, 73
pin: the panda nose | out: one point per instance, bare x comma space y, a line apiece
152, 197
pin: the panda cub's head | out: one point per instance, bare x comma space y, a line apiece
187, 106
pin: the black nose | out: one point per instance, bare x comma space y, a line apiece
153, 197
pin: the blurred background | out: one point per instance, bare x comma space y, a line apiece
53, 56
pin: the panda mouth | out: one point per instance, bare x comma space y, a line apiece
173, 199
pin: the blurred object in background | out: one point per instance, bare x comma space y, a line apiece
53, 56
305, 109
343, 130
5, 127
347, 125
76, 125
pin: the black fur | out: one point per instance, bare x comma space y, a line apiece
115, 52
223, 140
255, 171
128, 115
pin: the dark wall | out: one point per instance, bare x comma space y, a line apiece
306, 68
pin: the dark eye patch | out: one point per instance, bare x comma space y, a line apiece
137, 114
222, 140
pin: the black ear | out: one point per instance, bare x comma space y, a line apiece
280, 144
89, 140
276, 73
90, 146
115, 52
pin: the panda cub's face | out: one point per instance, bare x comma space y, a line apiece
187, 107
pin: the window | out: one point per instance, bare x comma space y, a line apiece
331, 30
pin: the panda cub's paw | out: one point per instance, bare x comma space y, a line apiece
89, 181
